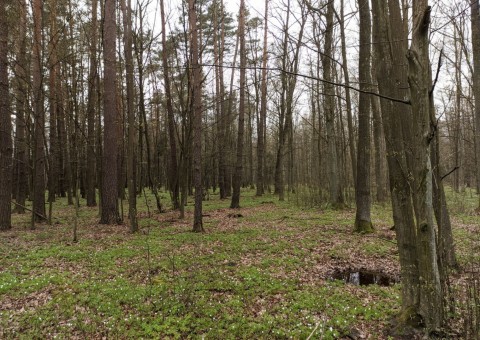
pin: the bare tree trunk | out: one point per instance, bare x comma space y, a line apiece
5, 127
39, 114
363, 221
263, 109
131, 173
348, 100
21, 157
475, 22
431, 302
336, 197
379, 143
173, 169
196, 99
53, 100
237, 178
392, 82
110, 213
91, 109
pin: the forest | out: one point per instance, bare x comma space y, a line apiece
220, 169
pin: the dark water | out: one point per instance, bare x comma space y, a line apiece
364, 278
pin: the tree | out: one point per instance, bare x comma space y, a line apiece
196, 105
109, 211
237, 177
131, 173
21, 156
336, 195
173, 168
475, 23
419, 78
363, 222
5, 126
91, 108
38, 211
261, 122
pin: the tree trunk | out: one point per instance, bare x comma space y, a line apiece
475, 22
391, 82
21, 158
348, 101
5, 127
431, 302
109, 213
91, 109
39, 114
131, 173
196, 100
363, 221
263, 109
173, 169
237, 178
336, 197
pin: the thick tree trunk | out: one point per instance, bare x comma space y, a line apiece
363, 221
391, 82
431, 301
109, 213
5, 127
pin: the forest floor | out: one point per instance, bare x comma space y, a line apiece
268, 270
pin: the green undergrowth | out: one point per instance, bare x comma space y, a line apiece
262, 271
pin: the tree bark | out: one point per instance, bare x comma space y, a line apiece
431, 302
39, 114
263, 109
91, 109
363, 221
196, 99
5, 127
131, 159
392, 82
336, 196
475, 23
173, 169
21, 157
109, 211
237, 178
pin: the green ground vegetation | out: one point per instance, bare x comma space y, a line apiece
263, 271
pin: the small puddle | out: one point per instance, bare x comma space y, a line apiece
364, 278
